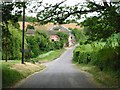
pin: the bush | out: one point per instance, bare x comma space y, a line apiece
58, 45
40, 44
82, 54
76, 54
108, 58
63, 37
79, 35
30, 27
14, 44
33, 46
104, 56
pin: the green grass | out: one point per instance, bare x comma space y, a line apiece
49, 56
83, 48
108, 79
11, 76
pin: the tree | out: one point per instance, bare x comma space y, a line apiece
29, 19
108, 16
104, 25
7, 8
14, 42
30, 27
79, 35
63, 37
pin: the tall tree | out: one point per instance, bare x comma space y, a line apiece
108, 15
7, 15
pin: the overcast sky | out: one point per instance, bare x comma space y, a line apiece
68, 2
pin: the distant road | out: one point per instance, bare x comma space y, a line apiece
60, 73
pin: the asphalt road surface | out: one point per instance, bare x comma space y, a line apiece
60, 73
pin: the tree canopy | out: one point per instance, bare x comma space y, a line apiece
106, 21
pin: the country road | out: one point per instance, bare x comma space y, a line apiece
60, 73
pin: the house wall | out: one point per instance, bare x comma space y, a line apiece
54, 38
71, 40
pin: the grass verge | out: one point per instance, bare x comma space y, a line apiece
13, 71
48, 56
108, 79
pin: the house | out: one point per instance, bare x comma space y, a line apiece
59, 28
54, 37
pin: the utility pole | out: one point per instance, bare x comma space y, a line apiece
23, 32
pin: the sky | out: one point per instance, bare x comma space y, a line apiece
68, 2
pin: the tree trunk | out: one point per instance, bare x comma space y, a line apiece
7, 43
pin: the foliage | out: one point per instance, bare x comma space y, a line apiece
107, 79
38, 44
7, 16
59, 13
98, 27
51, 55
105, 55
28, 19
58, 44
30, 27
33, 46
63, 37
11, 74
7, 8
14, 43
79, 35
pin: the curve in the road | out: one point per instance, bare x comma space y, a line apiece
60, 73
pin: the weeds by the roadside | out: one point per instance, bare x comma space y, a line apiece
105, 78
48, 56
14, 71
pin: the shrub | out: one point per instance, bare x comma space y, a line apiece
14, 44
76, 54
108, 58
63, 37
104, 56
58, 45
30, 27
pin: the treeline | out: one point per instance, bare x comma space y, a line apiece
28, 19
14, 39
34, 45
101, 45
104, 55
40, 43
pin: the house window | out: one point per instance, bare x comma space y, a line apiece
52, 40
